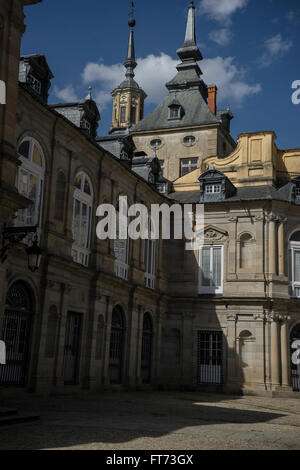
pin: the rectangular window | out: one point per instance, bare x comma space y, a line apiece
84, 124
150, 263
35, 84
174, 113
297, 192
123, 114
133, 114
162, 165
213, 188
295, 270
121, 254
211, 270
187, 165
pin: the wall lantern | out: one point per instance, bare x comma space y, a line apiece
13, 235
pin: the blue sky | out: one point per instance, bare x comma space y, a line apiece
250, 47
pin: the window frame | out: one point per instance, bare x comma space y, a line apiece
87, 199
35, 84
213, 186
121, 267
150, 248
38, 171
218, 290
293, 247
189, 165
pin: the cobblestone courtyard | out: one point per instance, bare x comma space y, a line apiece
155, 421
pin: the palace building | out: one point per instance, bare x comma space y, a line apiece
80, 313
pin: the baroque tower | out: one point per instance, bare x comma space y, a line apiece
128, 97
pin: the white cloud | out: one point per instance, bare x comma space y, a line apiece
230, 80
220, 10
153, 72
293, 16
66, 94
221, 36
274, 48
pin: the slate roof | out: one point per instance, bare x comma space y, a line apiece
195, 108
245, 193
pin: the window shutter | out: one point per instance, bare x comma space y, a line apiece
205, 267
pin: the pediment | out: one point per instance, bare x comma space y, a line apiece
213, 233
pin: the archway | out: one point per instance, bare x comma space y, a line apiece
16, 334
146, 360
295, 358
116, 346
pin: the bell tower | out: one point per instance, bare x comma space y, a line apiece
128, 97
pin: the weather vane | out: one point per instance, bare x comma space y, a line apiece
132, 9
131, 21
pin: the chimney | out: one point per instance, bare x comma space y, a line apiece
212, 98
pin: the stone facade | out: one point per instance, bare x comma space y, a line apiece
95, 315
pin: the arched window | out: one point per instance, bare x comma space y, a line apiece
146, 360
294, 246
51, 333
116, 345
60, 196
82, 218
99, 338
30, 182
16, 334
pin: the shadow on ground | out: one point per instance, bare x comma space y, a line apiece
114, 418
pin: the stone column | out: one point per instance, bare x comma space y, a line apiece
233, 247
138, 110
260, 249
275, 351
128, 109
281, 270
117, 120
285, 376
272, 245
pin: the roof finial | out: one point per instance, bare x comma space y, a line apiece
189, 49
130, 62
132, 21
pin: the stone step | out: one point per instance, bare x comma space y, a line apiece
18, 418
4, 411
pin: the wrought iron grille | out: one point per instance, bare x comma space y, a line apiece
210, 357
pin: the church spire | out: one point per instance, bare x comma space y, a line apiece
130, 63
189, 50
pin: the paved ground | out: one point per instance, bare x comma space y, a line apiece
155, 421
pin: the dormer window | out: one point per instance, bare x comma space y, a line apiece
213, 188
35, 84
85, 125
175, 113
